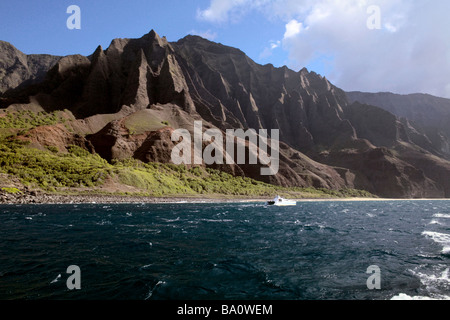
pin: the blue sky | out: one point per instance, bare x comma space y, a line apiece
407, 51
40, 26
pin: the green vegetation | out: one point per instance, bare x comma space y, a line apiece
11, 190
78, 171
168, 179
52, 149
29, 119
48, 170
19, 122
143, 121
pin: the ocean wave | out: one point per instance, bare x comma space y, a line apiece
436, 281
430, 279
56, 279
316, 226
146, 266
251, 205
149, 230
216, 220
434, 221
441, 238
150, 293
441, 215
171, 220
404, 296
104, 223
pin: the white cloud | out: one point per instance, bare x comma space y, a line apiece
274, 44
265, 54
390, 27
410, 53
293, 28
268, 51
221, 11
208, 34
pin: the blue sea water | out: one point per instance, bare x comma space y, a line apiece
226, 251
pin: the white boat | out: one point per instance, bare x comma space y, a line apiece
279, 201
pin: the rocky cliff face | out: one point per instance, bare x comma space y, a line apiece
131, 72
129, 98
426, 117
18, 70
232, 89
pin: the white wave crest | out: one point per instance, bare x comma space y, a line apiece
441, 238
436, 281
435, 221
429, 279
403, 296
56, 279
441, 215
150, 293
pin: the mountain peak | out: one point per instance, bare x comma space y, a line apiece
198, 42
4, 45
152, 36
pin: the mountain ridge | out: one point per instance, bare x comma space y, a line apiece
18, 69
428, 114
127, 98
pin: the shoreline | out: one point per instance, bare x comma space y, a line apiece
43, 198
372, 199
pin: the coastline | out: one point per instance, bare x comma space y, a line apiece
42, 198
373, 199
34, 197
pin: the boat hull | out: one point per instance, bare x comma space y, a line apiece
281, 202
284, 204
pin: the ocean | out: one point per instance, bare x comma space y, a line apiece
329, 250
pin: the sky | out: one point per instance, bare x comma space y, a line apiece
400, 46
